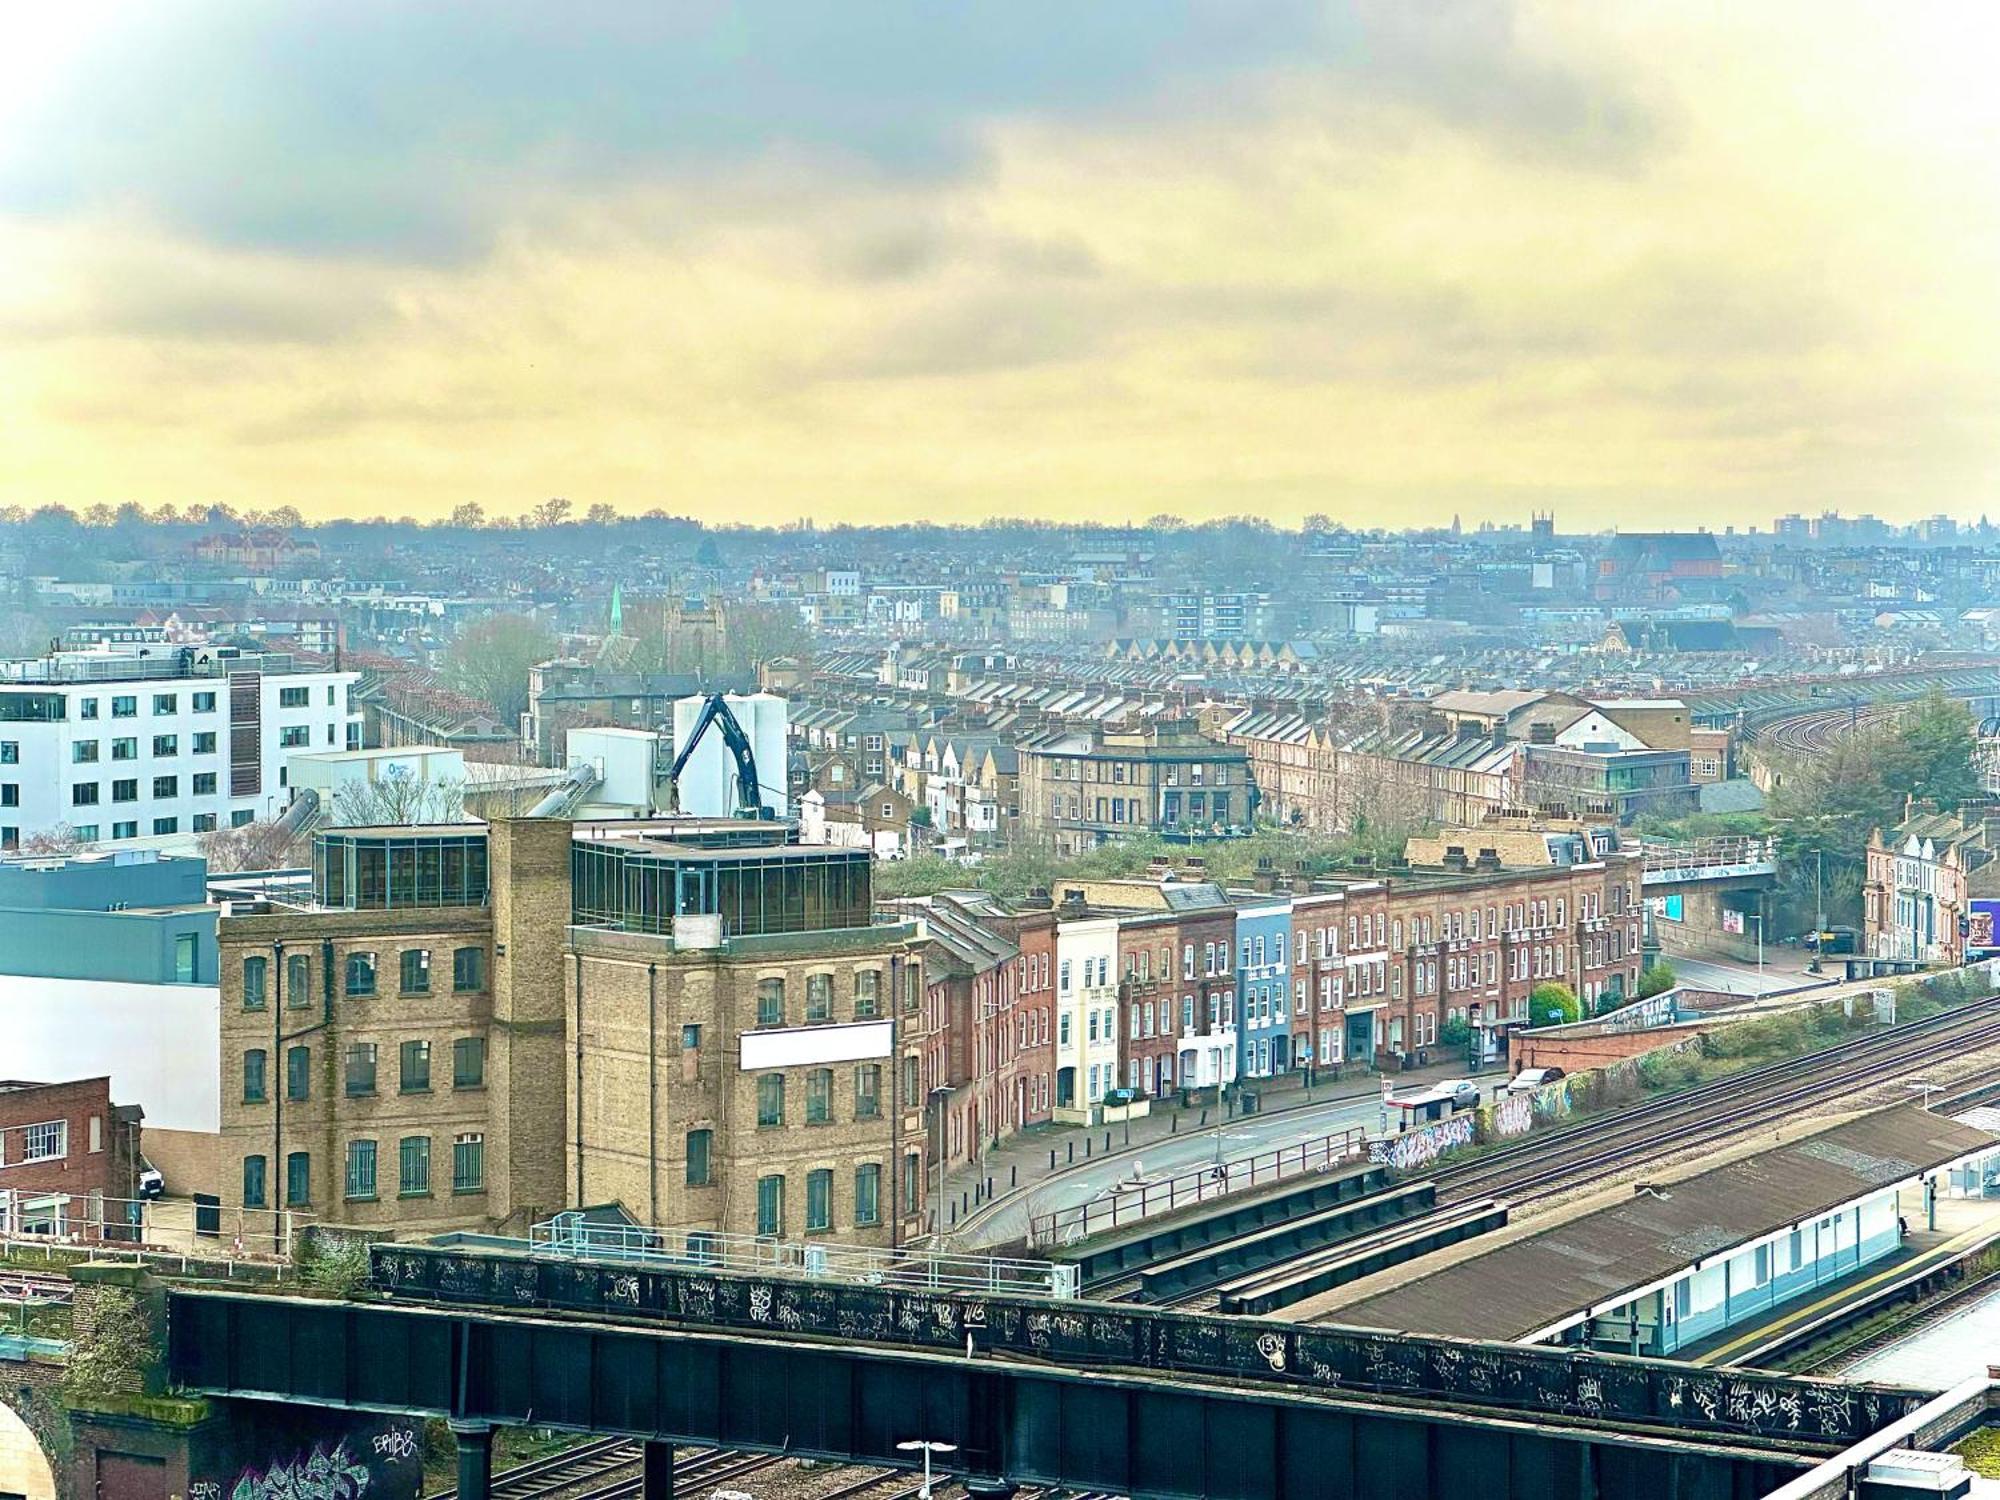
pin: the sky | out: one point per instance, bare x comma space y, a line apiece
1687, 263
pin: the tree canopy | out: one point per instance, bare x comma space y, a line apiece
490, 660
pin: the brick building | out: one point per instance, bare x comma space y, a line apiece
474, 1026
69, 1161
1083, 787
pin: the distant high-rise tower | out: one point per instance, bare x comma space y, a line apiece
1544, 526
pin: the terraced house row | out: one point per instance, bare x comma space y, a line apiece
705, 1024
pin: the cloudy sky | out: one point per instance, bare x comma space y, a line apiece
1646, 263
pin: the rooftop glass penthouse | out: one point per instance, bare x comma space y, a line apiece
642, 884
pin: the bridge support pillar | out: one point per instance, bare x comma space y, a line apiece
475, 1459
656, 1472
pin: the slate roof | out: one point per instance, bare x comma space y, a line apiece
1532, 1283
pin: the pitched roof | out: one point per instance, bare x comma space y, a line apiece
1594, 1259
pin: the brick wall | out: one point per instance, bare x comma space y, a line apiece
655, 1053
97, 1154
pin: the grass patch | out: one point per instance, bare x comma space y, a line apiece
511, 1445
1981, 1452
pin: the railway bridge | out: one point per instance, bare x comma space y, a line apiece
1055, 1394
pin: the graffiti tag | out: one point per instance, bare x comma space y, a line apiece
399, 1442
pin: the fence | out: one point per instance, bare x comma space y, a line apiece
191, 1228
570, 1236
1708, 858
1128, 1204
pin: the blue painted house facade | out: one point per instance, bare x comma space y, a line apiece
1264, 984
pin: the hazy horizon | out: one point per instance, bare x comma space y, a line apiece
1645, 267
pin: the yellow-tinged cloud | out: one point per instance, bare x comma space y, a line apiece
1751, 270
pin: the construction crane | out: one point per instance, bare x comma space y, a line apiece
749, 790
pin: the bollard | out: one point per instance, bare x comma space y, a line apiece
1086, 1148
1072, 1151
989, 1189
954, 1213
1014, 1172
1204, 1114
1173, 1124
1107, 1140
1052, 1158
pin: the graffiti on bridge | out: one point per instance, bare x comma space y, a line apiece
319, 1475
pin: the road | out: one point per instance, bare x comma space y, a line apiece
1730, 977
1007, 1222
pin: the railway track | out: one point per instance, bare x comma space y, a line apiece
557, 1471
1818, 730
1838, 1357
711, 1466
1550, 1163
1554, 1161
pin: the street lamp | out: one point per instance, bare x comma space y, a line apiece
913, 1445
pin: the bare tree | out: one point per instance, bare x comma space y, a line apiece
491, 657
254, 846
551, 512
57, 838
395, 800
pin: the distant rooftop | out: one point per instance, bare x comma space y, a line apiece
148, 664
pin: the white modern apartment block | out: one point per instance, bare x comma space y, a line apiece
155, 741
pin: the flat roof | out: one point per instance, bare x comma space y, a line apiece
1519, 1288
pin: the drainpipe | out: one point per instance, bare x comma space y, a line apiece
274, 1079
896, 1102
579, 1081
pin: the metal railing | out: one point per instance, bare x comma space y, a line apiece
164, 663
148, 1226
1702, 855
570, 1236
1128, 1203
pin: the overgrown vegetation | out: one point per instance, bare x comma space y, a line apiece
334, 1263
105, 1367
1826, 806
1657, 979
1015, 872
1553, 1004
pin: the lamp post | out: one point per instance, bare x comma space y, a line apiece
927, 1447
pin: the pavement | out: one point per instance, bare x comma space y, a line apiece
1167, 1141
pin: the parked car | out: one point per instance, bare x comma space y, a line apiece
1463, 1092
1529, 1079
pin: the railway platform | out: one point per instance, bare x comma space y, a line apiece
1927, 1261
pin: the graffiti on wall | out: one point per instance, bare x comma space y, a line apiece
317, 1475
1419, 1148
1513, 1115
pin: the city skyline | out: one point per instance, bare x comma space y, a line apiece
1381, 264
